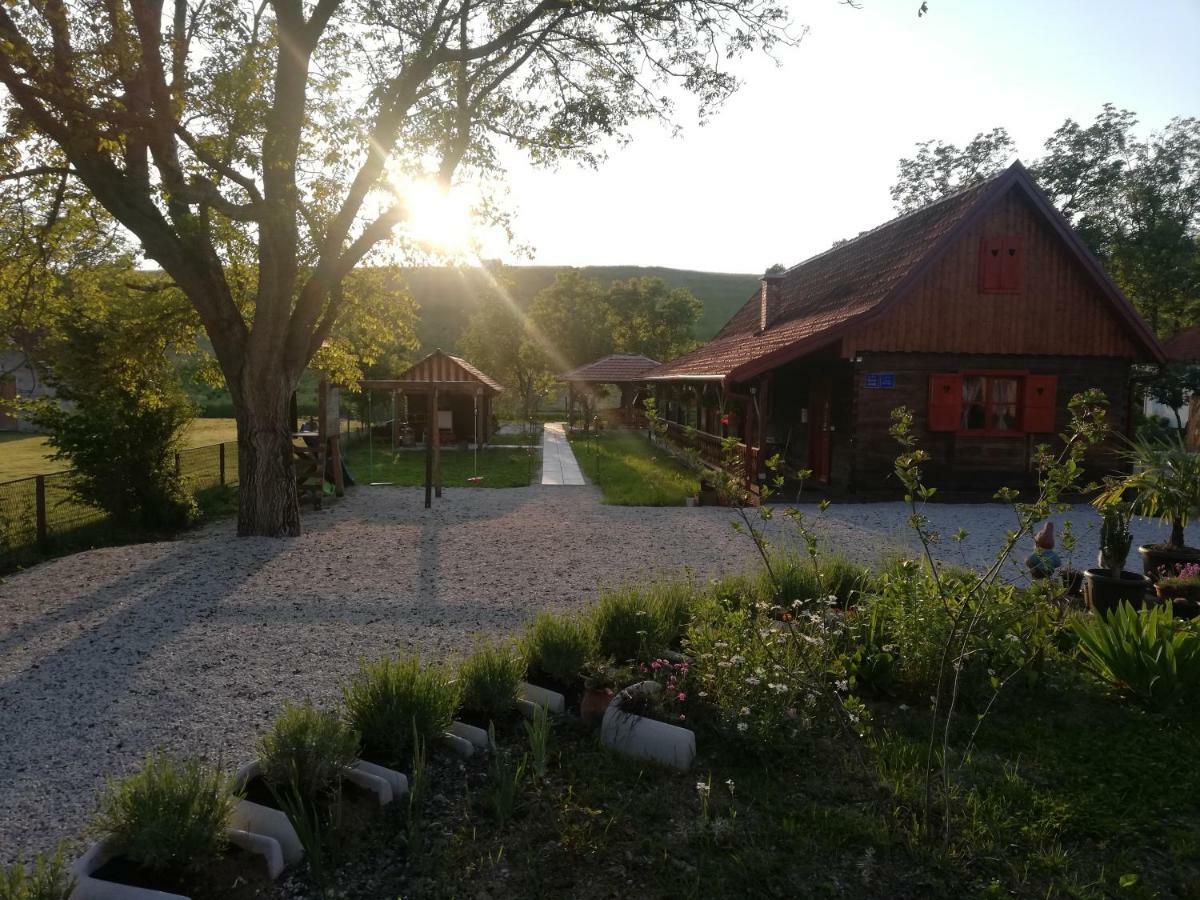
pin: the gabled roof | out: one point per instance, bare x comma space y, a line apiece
614, 369
853, 282
1183, 347
441, 366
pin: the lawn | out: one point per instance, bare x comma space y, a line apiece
518, 439
630, 471
30, 454
496, 467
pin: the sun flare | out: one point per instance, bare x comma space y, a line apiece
442, 220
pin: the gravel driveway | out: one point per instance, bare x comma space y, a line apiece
194, 644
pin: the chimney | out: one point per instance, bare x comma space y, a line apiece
769, 299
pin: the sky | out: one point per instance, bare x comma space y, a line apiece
805, 152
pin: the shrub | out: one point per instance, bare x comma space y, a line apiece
1145, 654
170, 817
796, 578
307, 749
632, 623
558, 646
490, 680
49, 880
392, 701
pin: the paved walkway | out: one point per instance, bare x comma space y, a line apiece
559, 465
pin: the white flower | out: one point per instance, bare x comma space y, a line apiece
744, 711
720, 645
778, 688
737, 659
743, 727
753, 682
702, 788
703, 694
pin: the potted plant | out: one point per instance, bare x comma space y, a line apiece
1105, 587
1182, 590
600, 684
1164, 480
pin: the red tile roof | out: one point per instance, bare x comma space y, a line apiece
1183, 347
441, 366
619, 367
829, 289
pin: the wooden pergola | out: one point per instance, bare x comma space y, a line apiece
625, 371
436, 377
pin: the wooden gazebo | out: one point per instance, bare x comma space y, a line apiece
457, 407
623, 371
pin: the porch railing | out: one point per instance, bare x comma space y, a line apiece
711, 447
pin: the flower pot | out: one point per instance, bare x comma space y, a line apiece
639, 737
1104, 593
1073, 582
89, 887
1156, 558
595, 701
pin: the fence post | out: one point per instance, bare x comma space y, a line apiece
221, 458
40, 504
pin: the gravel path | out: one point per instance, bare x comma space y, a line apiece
194, 644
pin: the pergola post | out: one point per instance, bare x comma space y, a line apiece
431, 407
437, 448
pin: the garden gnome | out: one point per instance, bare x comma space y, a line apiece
1043, 562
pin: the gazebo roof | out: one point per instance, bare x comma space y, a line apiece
441, 369
618, 368
1183, 347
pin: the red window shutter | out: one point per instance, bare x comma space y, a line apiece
1037, 416
991, 261
1012, 265
945, 402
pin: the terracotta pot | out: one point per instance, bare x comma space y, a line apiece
1155, 558
595, 701
1104, 593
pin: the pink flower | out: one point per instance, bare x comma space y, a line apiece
682, 696
656, 665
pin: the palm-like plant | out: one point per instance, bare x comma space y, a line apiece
1164, 479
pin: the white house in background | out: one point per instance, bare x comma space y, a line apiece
1182, 348
18, 379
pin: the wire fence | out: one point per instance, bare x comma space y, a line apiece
43, 514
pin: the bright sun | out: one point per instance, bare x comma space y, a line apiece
440, 219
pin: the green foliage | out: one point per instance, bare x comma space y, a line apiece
1143, 653
489, 680
559, 645
1174, 386
1115, 537
537, 730
794, 577
124, 413
311, 823
641, 623
391, 702
1164, 480
50, 879
170, 817
507, 773
309, 749
497, 339
632, 472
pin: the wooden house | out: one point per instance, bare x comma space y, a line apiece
983, 312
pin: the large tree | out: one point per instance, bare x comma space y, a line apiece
1135, 201
253, 147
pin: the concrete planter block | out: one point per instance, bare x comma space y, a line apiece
397, 780
459, 745
258, 819
89, 888
552, 701
380, 787
477, 736
528, 708
641, 738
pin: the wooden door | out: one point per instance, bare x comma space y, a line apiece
819, 428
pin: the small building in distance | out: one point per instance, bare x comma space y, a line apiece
983, 313
18, 379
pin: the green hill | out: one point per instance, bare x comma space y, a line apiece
448, 297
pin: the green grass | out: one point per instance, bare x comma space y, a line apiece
22, 455
519, 439
498, 467
631, 472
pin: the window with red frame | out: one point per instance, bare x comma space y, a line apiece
992, 403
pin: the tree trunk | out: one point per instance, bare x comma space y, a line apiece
1176, 541
267, 501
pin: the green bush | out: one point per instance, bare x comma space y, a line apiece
308, 749
50, 879
489, 680
633, 623
391, 701
558, 646
795, 578
1145, 654
170, 817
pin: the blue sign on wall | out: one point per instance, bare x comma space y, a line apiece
877, 380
